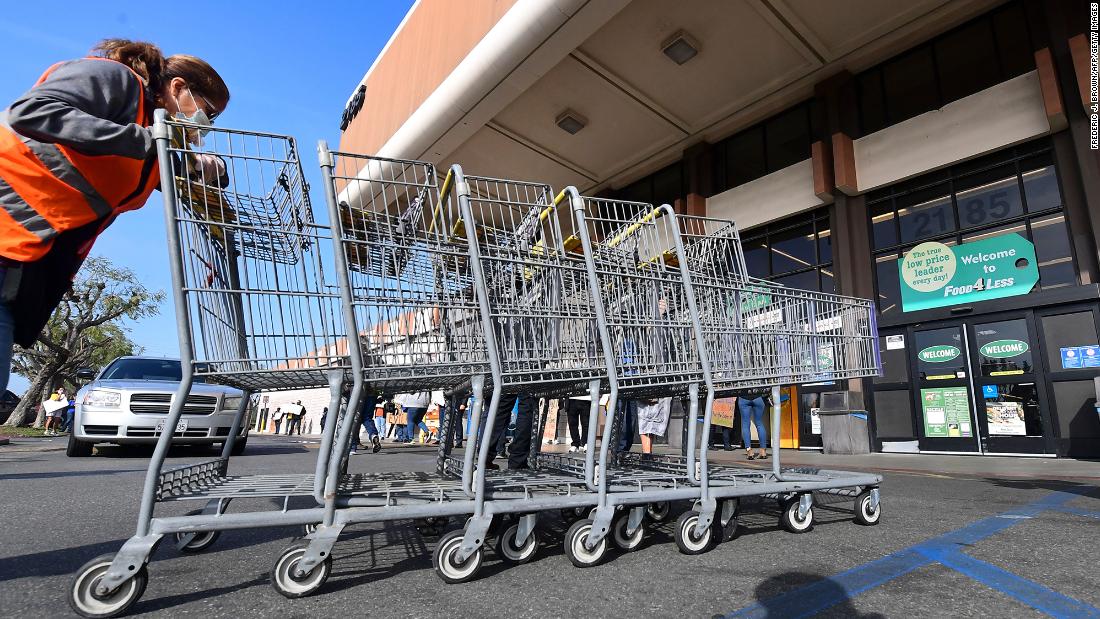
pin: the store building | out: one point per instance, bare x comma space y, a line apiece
934, 155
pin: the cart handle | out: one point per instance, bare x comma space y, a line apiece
632, 228
444, 196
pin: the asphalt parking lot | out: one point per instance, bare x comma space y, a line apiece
948, 545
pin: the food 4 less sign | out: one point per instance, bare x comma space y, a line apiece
935, 275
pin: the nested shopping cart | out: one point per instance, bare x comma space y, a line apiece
758, 334
259, 307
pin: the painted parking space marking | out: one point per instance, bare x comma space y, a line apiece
945, 550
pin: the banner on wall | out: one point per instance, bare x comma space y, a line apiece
937, 275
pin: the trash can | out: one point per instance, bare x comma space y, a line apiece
844, 423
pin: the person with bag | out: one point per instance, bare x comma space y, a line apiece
277, 418
76, 151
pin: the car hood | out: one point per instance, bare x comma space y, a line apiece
162, 386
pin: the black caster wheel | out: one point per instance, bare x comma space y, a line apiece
865, 514
658, 512
199, 541
288, 582
575, 539
446, 564
728, 531
573, 514
686, 539
789, 520
84, 600
512, 553
627, 543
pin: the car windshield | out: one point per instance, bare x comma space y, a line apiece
145, 369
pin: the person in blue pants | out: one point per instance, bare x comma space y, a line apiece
751, 404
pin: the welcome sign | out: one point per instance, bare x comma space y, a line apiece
937, 275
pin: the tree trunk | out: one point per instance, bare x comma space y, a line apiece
32, 398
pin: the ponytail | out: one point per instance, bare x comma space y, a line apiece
144, 58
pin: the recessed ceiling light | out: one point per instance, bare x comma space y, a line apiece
680, 47
570, 122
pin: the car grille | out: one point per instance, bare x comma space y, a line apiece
149, 432
157, 404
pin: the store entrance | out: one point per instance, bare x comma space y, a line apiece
978, 388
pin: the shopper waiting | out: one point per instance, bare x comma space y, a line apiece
653, 420
415, 406
751, 404
577, 410
277, 418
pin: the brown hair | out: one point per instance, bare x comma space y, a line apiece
149, 62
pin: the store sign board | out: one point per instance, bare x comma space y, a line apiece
938, 354
946, 412
722, 412
936, 275
1003, 349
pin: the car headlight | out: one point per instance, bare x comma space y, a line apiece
231, 403
103, 398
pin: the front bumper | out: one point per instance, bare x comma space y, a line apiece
127, 428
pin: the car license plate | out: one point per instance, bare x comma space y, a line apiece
180, 427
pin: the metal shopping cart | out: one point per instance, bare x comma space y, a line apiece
759, 334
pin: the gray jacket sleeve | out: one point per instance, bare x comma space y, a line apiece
88, 105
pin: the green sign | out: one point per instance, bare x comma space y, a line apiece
1003, 349
936, 275
946, 412
938, 354
753, 299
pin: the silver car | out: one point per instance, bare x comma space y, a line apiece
128, 403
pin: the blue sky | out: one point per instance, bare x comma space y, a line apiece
290, 66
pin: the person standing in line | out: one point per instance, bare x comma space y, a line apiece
628, 411
298, 418
577, 410
277, 418
379, 420
653, 420
524, 404
415, 406
324, 418
751, 404
70, 411
365, 418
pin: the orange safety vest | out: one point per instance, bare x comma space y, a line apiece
62, 189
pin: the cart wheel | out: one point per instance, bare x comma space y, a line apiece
627, 543
310, 529
789, 519
865, 514
509, 552
573, 514
290, 585
659, 512
87, 603
686, 540
447, 567
575, 549
729, 531
200, 542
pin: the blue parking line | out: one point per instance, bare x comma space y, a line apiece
1031, 593
945, 549
1077, 511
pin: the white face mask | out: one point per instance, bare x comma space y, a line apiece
198, 118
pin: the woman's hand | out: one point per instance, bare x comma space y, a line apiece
207, 168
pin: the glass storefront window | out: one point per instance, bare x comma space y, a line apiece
793, 249
883, 226
1041, 189
940, 354
984, 200
795, 252
889, 284
1004, 348
1014, 410
926, 213
1052, 249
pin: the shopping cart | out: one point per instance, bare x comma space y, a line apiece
757, 334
